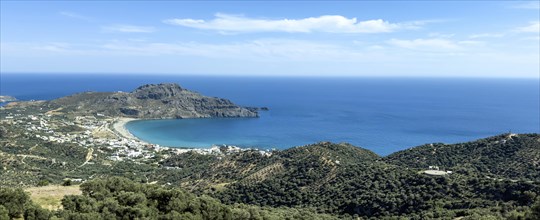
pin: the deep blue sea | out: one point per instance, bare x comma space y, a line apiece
381, 114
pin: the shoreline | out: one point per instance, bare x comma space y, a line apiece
119, 126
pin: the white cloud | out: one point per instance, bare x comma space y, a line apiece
272, 57
535, 38
265, 49
441, 45
528, 5
425, 44
129, 29
325, 23
533, 27
486, 35
257, 50
471, 43
441, 35
45, 49
53, 47
75, 15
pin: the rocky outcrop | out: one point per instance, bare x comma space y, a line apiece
152, 101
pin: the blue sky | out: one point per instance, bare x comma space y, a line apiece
385, 38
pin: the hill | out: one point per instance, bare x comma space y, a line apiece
347, 181
211, 172
509, 156
152, 101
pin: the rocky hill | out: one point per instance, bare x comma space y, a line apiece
152, 101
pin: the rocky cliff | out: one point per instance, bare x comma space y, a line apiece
152, 101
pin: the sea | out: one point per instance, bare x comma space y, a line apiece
384, 115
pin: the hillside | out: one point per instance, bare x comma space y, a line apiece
344, 180
152, 101
511, 156
203, 172
120, 198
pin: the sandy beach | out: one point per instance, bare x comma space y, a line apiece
120, 127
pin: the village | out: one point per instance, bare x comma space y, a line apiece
97, 131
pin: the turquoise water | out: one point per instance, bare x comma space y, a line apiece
384, 115
381, 114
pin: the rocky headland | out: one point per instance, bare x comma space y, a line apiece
151, 101
5, 98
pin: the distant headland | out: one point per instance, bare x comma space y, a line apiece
5, 98
151, 101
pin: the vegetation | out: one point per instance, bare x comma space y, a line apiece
356, 187
351, 182
506, 156
493, 178
15, 203
50, 197
120, 198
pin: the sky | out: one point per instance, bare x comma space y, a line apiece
261, 38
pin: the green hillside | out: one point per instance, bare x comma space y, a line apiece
510, 156
350, 182
492, 178
120, 198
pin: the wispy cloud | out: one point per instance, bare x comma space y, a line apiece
262, 49
486, 35
129, 29
46, 49
266, 55
527, 5
435, 44
75, 16
425, 44
267, 49
53, 47
535, 38
325, 23
440, 35
533, 27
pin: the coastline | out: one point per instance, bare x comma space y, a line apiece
119, 126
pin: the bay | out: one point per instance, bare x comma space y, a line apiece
381, 114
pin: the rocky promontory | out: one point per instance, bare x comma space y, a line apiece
152, 101
6, 98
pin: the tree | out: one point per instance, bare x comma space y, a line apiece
535, 211
34, 212
14, 200
4, 214
43, 183
79, 204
